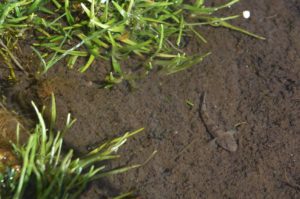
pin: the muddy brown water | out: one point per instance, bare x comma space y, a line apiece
246, 80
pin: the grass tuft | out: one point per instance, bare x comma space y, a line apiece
115, 31
46, 171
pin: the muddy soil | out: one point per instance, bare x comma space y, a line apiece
245, 80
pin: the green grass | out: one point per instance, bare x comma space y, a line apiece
49, 172
111, 31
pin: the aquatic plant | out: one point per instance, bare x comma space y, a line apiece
153, 32
42, 169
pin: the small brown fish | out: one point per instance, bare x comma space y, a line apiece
8, 159
8, 127
224, 139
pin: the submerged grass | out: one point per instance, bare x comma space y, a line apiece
46, 172
112, 31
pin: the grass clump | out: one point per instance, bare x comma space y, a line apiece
45, 171
113, 31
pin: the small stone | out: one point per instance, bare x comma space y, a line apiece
246, 14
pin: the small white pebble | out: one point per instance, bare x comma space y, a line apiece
246, 14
